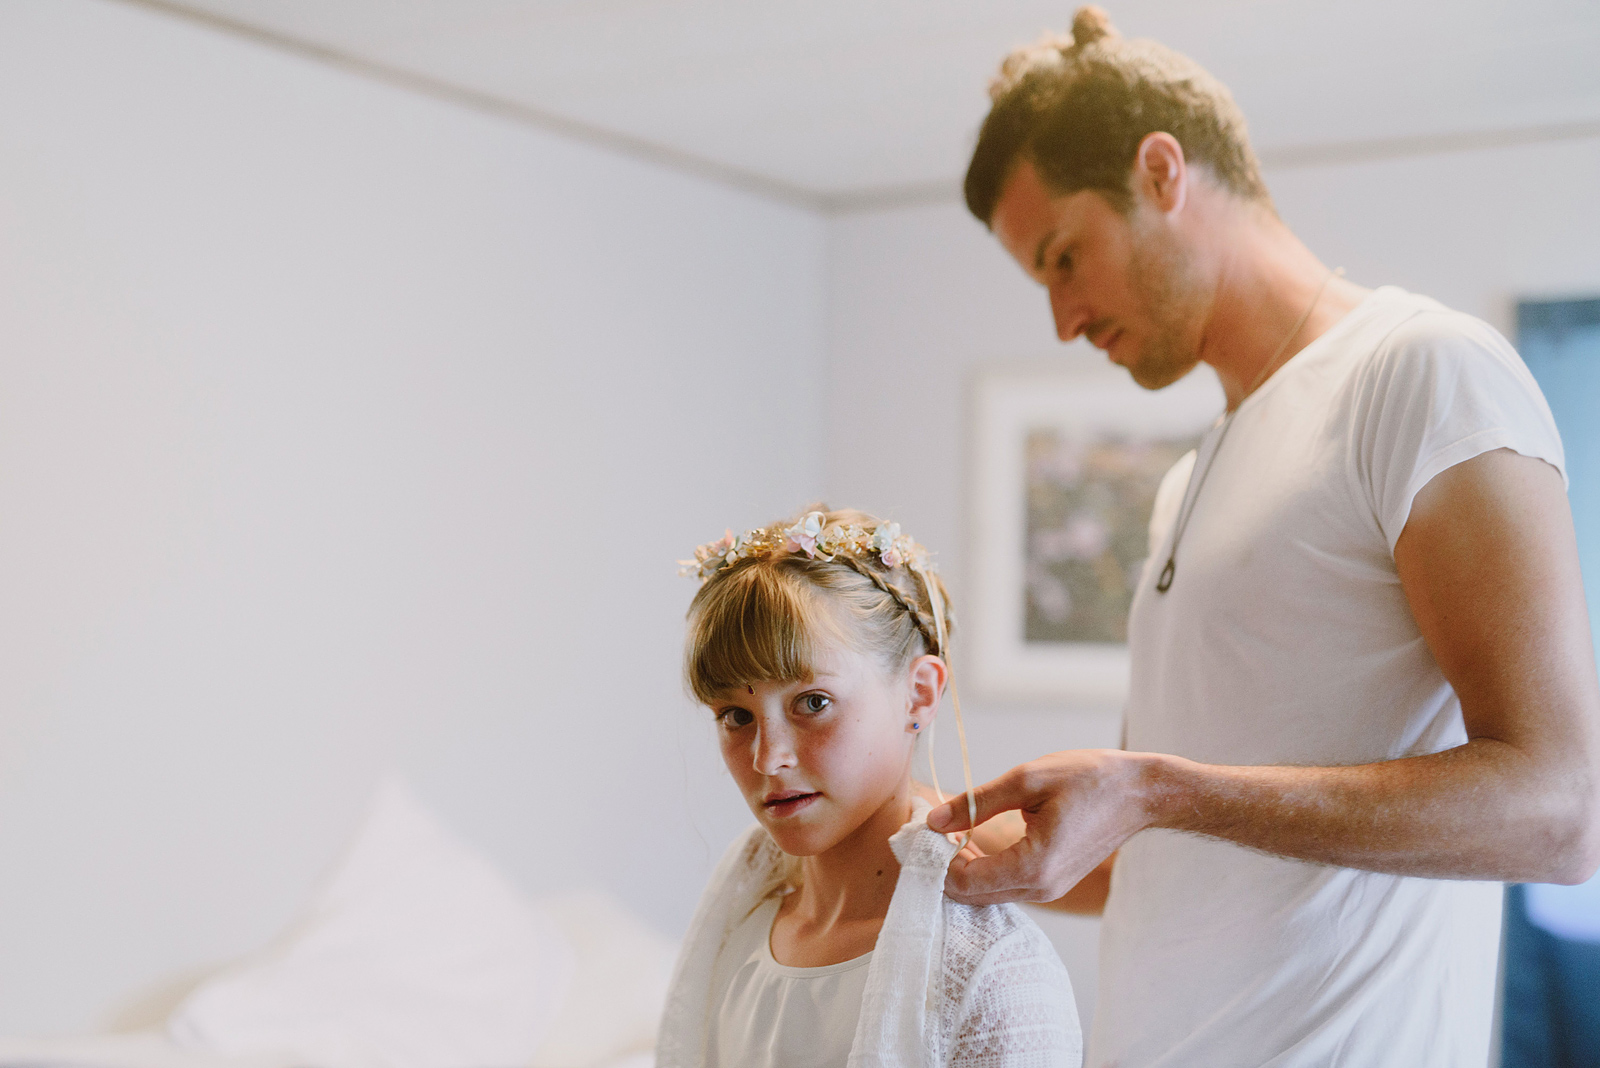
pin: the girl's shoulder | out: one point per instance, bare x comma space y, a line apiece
1004, 987
988, 936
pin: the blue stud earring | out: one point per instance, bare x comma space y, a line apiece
916, 726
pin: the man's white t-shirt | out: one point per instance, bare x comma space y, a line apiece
1285, 638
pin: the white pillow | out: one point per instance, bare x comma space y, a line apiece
417, 954
618, 990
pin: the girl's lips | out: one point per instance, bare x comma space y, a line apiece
789, 805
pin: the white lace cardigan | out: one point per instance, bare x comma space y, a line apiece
949, 986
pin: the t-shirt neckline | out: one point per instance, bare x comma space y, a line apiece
1347, 322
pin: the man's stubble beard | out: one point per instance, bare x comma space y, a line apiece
1168, 289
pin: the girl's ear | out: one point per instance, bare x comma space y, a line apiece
927, 675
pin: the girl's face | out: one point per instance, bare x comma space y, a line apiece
818, 758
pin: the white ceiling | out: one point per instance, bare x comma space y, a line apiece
835, 102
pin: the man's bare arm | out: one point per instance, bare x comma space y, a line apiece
1489, 565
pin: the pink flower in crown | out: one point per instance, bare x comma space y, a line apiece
712, 556
890, 557
802, 537
714, 550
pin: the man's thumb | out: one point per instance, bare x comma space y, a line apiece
992, 798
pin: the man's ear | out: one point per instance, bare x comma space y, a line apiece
928, 676
1160, 173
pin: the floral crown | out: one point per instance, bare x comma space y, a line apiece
816, 538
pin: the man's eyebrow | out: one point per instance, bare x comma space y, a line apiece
1038, 253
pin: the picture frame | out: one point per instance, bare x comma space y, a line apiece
1064, 463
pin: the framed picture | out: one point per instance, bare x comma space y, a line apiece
1065, 467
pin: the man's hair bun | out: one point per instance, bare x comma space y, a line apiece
1089, 25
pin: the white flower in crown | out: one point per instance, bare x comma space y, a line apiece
884, 537
803, 535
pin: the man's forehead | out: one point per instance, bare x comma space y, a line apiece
1028, 218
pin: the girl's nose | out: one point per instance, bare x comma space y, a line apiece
774, 750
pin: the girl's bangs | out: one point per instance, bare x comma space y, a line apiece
755, 624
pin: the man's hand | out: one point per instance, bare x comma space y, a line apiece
1079, 806
1489, 566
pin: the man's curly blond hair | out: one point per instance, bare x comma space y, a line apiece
1077, 106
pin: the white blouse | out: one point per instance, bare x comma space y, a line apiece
947, 985
775, 1016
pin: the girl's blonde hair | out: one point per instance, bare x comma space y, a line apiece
763, 617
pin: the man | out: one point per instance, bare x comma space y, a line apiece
1363, 688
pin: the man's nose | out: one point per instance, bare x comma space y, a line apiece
774, 749
1070, 316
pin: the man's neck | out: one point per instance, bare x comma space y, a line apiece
1266, 282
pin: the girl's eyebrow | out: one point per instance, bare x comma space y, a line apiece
740, 690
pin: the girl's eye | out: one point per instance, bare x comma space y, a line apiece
731, 719
815, 702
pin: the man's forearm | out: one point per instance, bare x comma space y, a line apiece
1484, 810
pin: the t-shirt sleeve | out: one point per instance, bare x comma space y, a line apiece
1441, 389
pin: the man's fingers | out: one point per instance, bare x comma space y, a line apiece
1003, 877
992, 798
1010, 897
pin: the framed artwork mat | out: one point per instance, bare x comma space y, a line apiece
1064, 465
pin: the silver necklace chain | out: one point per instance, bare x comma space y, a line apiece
1170, 571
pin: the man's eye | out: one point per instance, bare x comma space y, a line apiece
815, 702
731, 719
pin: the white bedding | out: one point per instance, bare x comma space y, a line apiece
153, 1050
416, 954
141, 1050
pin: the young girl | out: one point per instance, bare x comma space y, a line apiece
824, 937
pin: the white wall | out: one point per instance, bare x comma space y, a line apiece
921, 299
342, 428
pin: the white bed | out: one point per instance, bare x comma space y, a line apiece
154, 1050
416, 953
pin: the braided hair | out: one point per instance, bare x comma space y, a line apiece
923, 618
